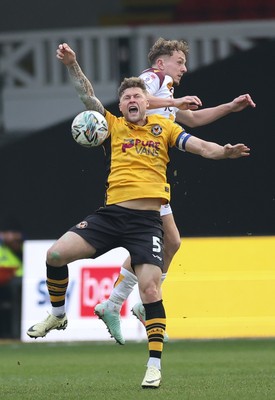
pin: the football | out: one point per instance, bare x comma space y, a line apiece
89, 128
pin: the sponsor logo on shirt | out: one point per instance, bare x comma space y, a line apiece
149, 147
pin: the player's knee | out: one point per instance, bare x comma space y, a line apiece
150, 294
177, 244
53, 258
127, 264
172, 246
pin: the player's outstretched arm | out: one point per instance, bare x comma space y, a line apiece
241, 102
185, 103
215, 151
80, 82
65, 54
208, 115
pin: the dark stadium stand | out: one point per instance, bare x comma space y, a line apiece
140, 12
50, 182
225, 10
143, 12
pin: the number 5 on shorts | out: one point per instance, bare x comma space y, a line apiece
156, 244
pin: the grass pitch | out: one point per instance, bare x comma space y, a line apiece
193, 370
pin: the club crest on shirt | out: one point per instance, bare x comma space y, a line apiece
149, 78
156, 130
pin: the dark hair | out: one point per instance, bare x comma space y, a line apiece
131, 83
163, 47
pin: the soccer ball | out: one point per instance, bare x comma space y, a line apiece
89, 128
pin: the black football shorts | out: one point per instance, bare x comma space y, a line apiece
138, 231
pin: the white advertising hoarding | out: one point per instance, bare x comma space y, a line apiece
90, 282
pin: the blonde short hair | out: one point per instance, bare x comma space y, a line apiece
130, 83
163, 47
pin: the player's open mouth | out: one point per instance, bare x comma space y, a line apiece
133, 109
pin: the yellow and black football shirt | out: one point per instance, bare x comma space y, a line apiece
137, 157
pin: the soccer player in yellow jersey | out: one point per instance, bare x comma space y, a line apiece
168, 64
137, 148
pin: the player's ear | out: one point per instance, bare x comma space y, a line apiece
160, 63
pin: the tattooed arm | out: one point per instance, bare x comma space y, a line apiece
81, 83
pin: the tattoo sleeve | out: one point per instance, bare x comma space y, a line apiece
84, 89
